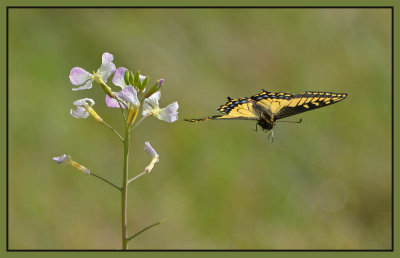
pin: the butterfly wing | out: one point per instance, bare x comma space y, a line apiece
307, 101
240, 109
282, 105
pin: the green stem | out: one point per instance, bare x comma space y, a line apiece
105, 180
124, 191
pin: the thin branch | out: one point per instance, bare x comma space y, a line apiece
120, 107
115, 131
136, 177
147, 169
105, 180
148, 227
138, 122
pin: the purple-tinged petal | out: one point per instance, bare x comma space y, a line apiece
118, 78
112, 103
141, 78
129, 94
81, 105
79, 113
107, 57
79, 76
150, 150
62, 159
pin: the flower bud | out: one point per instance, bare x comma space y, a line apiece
80, 167
155, 87
131, 79
151, 165
126, 77
94, 114
143, 82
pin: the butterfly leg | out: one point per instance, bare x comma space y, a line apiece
271, 135
295, 122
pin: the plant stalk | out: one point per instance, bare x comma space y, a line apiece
105, 180
124, 191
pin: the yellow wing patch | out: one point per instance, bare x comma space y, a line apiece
241, 109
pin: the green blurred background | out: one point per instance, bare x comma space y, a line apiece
324, 183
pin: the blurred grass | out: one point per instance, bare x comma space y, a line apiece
324, 183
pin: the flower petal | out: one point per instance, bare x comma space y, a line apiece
84, 102
79, 113
153, 99
79, 76
107, 66
112, 103
170, 113
150, 149
118, 78
129, 94
105, 70
62, 159
107, 57
146, 109
91, 101
86, 86
141, 78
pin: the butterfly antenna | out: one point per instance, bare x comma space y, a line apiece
294, 122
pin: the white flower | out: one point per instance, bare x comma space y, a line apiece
64, 159
128, 95
80, 77
82, 108
151, 107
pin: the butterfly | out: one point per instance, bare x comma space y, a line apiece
268, 107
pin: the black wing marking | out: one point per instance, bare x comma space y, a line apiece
282, 104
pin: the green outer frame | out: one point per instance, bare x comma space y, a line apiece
205, 3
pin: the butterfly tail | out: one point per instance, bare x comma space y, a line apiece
202, 119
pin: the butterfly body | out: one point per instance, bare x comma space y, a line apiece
268, 107
265, 119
